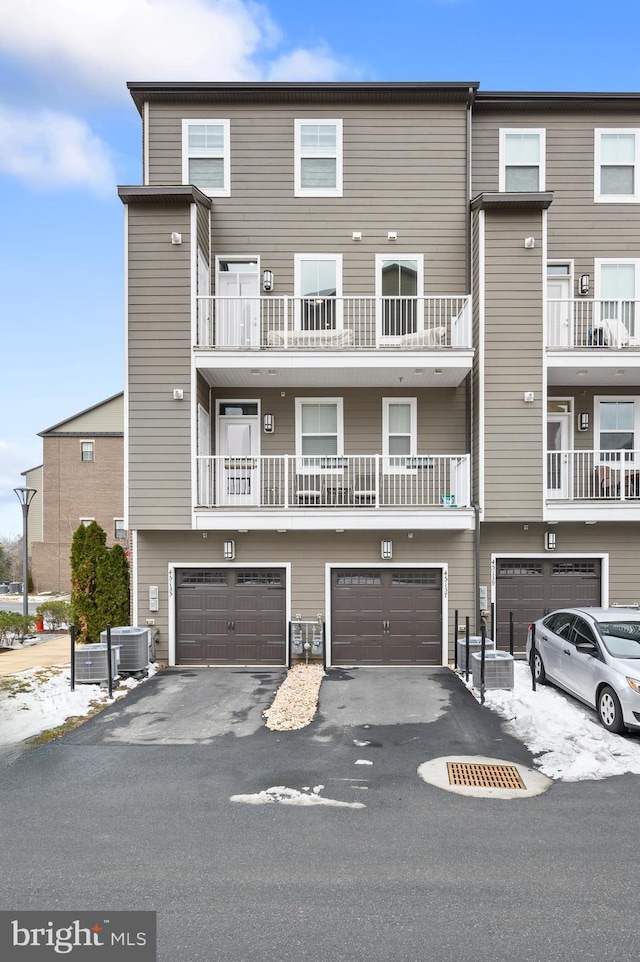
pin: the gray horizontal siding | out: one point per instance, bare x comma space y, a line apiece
308, 555
159, 360
513, 364
578, 228
412, 161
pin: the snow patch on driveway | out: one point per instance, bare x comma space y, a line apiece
291, 796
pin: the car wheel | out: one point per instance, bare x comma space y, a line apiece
610, 711
539, 673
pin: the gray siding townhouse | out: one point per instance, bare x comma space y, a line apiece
363, 323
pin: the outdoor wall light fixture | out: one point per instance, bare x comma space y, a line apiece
584, 284
550, 540
386, 550
176, 238
529, 243
228, 550
583, 421
267, 280
268, 423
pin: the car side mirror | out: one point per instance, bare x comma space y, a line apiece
587, 648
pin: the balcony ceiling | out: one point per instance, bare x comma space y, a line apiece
606, 369
285, 371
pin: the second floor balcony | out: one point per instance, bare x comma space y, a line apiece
593, 485
333, 491
327, 324
587, 324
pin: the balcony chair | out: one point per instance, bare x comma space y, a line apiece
607, 481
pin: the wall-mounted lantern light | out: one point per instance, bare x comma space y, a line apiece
386, 550
550, 540
268, 423
267, 280
229, 550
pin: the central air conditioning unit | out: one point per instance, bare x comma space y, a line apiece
92, 666
134, 644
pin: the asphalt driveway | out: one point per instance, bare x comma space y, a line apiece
134, 810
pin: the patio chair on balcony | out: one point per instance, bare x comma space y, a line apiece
308, 489
364, 491
607, 481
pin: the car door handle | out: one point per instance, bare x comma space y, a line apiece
565, 651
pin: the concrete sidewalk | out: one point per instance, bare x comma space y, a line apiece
57, 651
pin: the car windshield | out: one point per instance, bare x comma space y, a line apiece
621, 638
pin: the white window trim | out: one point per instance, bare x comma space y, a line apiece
92, 442
542, 134
600, 262
598, 196
298, 260
299, 190
311, 469
225, 190
597, 399
413, 446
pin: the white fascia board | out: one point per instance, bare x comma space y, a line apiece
440, 519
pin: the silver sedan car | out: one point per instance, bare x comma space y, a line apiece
594, 655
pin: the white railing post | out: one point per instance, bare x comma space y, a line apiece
377, 480
286, 481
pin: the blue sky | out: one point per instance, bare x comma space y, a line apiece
69, 133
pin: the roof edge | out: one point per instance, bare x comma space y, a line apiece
80, 414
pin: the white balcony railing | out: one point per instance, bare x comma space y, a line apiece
593, 476
370, 481
587, 323
329, 323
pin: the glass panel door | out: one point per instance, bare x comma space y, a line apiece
317, 291
238, 304
618, 294
238, 468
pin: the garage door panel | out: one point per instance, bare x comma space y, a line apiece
532, 587
386, 617
230, 616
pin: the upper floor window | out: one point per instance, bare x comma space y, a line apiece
119, 530
522, 156
206, 157
319, 427
399, 431
86, 450
617, 158
318, 158
616, 428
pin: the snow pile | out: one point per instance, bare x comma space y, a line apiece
296, 700
38, 699
291, 796
565, 736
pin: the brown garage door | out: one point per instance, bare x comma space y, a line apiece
230, 616
381, 616
532, 587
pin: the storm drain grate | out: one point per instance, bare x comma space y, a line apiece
484, 776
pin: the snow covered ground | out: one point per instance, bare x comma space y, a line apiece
38, 699
566, 737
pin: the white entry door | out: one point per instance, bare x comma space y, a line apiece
559, 314
238, 480
558, 456
237, 303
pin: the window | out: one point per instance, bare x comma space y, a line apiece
318, 290
399, 431
86, 450
617, 283
319, 430
119, 530
616, 154
522, 156
206, 157
318, 158
86, 521
399, 293
616, 427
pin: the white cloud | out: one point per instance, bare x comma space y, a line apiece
49, 149
103, 44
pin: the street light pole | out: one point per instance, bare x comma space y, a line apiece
25, 497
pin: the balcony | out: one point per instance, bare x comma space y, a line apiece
268, 492
334, 323
372, 341
585, 324
593, 485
